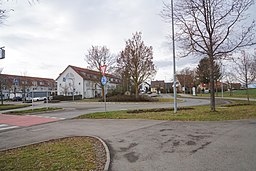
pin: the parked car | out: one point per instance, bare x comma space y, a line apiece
17, 98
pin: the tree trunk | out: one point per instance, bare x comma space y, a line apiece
136, 91
212, 86
247, 95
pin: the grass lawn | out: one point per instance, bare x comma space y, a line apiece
235, 93
199, 113
23, 112
13, 106
73, 153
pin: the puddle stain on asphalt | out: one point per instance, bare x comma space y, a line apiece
198, 137
124, 149
200, 148
191, 143
131, 157
176, 143
162, 130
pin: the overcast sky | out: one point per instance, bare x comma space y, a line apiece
42, 39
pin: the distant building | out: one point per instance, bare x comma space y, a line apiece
85, 82
169, 87
158, 86
235, 86
23, 86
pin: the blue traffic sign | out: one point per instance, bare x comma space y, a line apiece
103, 80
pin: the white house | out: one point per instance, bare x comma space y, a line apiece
83, 82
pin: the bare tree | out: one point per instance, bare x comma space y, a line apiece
213, 28
98, 56
137, 60
2, 15
4, 12
245, 69
24, 85
230, 80
64, 89
187, 79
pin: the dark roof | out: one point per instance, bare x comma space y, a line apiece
155, 84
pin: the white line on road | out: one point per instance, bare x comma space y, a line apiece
3, 125
48, 117
8, 127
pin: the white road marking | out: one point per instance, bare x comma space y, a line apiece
8, 127
48, 117
3, 125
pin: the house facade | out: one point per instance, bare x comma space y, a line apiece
85, 82
158, 86
25, 86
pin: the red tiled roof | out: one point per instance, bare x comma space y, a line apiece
90, 74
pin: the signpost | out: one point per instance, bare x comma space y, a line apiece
104, 82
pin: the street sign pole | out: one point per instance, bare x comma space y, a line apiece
105, 101
104, 82
174, 67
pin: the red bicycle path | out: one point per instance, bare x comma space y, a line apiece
24, 120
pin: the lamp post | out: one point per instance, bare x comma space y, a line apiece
174, 67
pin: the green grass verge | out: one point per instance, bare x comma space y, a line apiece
235, 93
22, 112
199, 113
73, 153
13, 106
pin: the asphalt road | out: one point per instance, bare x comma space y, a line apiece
138, 145
146, 145
73, 109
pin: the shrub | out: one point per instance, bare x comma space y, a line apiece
67, 98
125, 98
157, 110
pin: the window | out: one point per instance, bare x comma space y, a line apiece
34, 83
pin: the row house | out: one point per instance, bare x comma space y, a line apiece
25, 86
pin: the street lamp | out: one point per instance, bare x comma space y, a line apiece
174, 67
